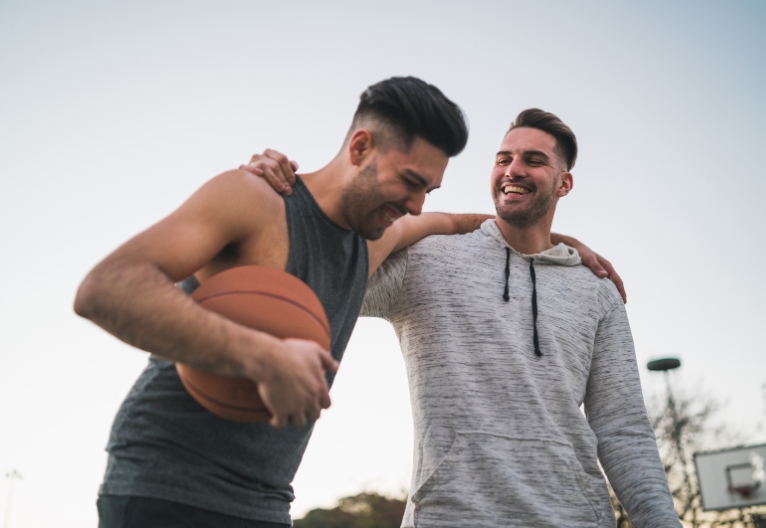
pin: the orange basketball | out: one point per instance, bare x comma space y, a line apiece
264, 299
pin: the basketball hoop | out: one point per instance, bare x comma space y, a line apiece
753, 474
743, 491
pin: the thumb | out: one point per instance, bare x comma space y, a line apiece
595, 266
328, 363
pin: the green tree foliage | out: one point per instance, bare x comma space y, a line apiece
366, 510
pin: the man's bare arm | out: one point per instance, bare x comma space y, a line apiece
410, 229
279, 171
131, 295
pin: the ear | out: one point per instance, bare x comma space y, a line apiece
566, 182
360, 145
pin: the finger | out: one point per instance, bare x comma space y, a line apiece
278, 420
297, 419
252, 169
295, 166
328, 363
592, 262
285, 167
275, 174
272, 175
615, 278
313, 412
324, 399
620, 286
605, 265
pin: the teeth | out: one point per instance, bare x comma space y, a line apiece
388, 217
508, 189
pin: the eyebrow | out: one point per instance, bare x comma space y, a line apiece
421, 180
526, 153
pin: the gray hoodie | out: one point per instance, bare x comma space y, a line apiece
502, 350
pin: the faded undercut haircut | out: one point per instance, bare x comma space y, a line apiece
407, 108
566, 142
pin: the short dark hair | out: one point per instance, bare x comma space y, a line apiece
413, 108
566, 142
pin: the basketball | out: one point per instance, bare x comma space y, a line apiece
265, 299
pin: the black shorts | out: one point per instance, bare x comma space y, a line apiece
115, 511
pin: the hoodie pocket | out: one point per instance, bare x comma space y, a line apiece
494, 480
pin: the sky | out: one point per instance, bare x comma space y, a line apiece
112, 113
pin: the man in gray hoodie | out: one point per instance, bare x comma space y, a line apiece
505, 337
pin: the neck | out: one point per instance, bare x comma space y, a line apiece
528, 240
326, 186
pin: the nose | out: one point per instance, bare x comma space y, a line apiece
515, 169
414, 204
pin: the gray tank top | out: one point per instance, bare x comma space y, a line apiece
165, 445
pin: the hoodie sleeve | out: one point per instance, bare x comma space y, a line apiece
614, 407
384, 286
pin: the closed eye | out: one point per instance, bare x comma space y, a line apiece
411, 184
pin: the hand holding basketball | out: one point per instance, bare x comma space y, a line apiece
284, 383
295, 389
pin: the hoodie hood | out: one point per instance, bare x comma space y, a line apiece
560, 255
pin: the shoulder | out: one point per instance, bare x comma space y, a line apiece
599, 293
236, 197
238, 185
606, 292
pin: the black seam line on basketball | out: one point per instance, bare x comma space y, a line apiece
223, 404
267, 294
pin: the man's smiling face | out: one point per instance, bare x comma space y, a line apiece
528, 176
392, 184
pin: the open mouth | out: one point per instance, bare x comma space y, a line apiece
389, 214
509, 188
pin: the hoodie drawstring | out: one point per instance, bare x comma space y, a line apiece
507, 297
535, 339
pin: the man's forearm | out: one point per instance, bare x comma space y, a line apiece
138, 304
466, 223
415, 228
410, 229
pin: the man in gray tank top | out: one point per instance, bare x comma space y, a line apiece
171, 463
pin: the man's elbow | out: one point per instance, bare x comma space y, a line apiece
97, 292
86, 300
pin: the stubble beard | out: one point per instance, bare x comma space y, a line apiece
359, 201
528, 216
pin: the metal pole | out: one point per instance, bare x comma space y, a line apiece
678, 440
13, 475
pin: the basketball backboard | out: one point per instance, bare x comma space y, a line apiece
732, 478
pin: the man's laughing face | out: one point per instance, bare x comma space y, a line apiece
526, 177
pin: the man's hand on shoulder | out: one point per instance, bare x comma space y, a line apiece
600, 266
275, 168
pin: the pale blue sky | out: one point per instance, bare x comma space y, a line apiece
112, 113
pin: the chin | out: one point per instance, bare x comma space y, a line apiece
370, 233
373, 235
